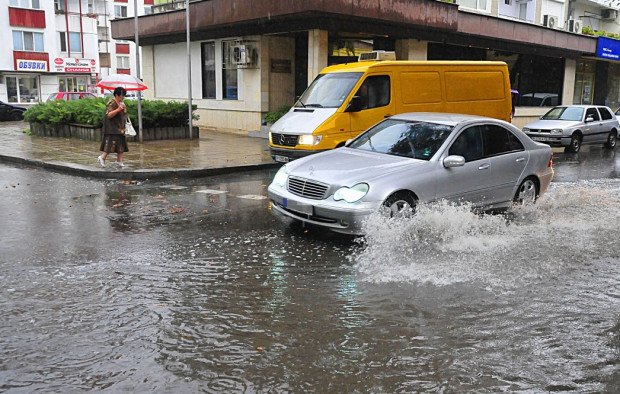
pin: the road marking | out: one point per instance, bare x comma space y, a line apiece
211, 191
252, 197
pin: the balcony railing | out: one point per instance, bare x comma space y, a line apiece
171, 5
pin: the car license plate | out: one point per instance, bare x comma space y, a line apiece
281, 159
297, 206
541, 139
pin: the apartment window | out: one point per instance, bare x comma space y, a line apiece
122, 62
148, 10
480, 5
88, 6
120, 11
27, 41
208, 70
59, 5
35, 4
63, 41
229, 73
75, 40
22, 89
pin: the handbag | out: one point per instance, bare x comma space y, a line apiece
129, 130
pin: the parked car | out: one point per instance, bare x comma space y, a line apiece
572, 126
618, 114
11, 112
68, 96
410, 158
539, 100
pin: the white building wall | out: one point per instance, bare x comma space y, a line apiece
555, 8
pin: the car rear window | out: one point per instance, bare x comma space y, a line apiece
605, 114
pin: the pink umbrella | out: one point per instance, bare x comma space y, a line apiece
129, 82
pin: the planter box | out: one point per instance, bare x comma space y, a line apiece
90, 133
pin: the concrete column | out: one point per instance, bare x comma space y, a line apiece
570, 67
317, 53
148, 71
411, 49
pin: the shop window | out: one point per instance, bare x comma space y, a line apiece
22, 89
72, 84
375, 91
208, 70
34, 4
27, 41
229, 73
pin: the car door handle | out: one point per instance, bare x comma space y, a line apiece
520, 159
484, 166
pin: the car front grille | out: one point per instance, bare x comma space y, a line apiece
284, 139
306, 188
539, 131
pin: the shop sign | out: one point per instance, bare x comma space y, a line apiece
608, 48
75, 65
30, 65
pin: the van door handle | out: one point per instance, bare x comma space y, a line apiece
387, 116
484, 166
520, 159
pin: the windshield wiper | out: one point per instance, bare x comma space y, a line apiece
301, 102
314, 105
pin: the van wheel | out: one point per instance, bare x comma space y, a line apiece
611, 140
400, 204
575, 144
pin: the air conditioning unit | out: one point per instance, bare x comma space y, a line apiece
550, 21
574, 26
610, 14
242, 54
377, 55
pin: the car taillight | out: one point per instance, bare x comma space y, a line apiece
550, 162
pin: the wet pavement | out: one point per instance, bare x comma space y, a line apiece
202, 156
194, 285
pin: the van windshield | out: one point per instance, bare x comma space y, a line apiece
564, 113
328, 90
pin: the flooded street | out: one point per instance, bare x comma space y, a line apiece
193, 285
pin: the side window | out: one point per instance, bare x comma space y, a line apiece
468, 144
605, 114
375, 91
498, 140
592, 112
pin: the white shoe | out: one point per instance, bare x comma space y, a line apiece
120, 164
101, 162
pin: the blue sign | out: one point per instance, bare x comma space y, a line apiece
31, 65
608, 48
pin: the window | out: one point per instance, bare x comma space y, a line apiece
34, 4
208, 70
480, 5
75, 42
22, 89
63, 41
88, 6
148, 10
72, 84
605, 114
592, 112
229, 74
498, 140
375, 91
468, 144
328, 90
122, 62
120, 11
27, 41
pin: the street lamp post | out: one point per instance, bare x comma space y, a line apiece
137, 40
189, 71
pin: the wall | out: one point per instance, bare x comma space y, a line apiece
553, 7
281, 84
590, 16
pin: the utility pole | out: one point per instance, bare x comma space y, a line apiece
137, 41
189, 71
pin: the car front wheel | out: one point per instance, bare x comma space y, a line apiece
527, 193
575, 144
399, 204
611, 140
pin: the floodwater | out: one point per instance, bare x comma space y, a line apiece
194, 285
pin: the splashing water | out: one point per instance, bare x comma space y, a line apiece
445, 244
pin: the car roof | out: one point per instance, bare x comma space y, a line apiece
439, 117
579, 106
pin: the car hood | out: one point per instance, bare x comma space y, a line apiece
552, 124
346, 166
302, 120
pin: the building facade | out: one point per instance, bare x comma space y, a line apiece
61, 45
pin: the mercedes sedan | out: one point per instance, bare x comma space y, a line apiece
571, 126
411, 158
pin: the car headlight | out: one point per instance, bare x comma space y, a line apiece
556, 131
270, 138
351, 194
281, 176
309, 139
526, 129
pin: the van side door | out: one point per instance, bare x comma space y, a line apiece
377, 102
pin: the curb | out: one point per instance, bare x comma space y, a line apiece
140, 174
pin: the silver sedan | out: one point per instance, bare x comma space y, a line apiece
411, 158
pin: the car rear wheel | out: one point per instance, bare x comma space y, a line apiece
611, 140
400, 204
16, 115
527, 193
575, 144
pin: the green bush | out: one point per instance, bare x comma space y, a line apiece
155, 113
273, 116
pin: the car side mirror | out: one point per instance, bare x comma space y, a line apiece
454, 161
590, 119
355, 105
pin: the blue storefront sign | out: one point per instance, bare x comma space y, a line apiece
608, 48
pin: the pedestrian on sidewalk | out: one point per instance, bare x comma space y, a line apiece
113, 140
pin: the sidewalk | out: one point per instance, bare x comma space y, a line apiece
213, 153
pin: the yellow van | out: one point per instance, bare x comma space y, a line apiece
346, 99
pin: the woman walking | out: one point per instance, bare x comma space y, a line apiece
114, 128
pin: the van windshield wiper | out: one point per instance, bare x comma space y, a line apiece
302, 103
316, 105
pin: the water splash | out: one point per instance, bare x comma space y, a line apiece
446, 244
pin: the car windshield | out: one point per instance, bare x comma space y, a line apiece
564, 113
618, 111
328, 90
417, 140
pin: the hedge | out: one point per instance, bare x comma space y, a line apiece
155, 113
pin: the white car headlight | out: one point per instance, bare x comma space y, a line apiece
309, 139
351, 194
281, 176
556, 131
526, 129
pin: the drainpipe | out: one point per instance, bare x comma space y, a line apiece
81, 29
67, 28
